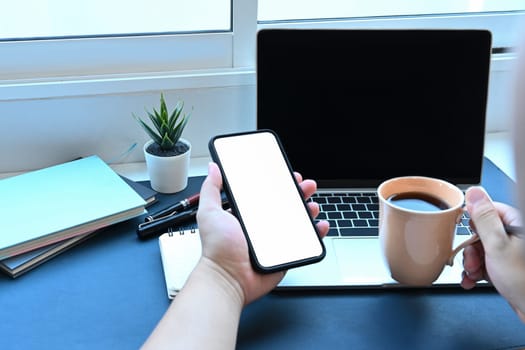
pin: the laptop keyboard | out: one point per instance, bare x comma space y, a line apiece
357, 213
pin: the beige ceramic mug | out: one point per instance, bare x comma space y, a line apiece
417, 223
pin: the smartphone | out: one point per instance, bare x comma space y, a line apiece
266, 199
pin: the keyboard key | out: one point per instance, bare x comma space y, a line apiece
334, 215
328, 207
333, 232
350, 215
363, 200
321, 216
372, 207
320, 200
349, 200
364, 215
359, 231
333, 200
344, 223
373, 223
333, 223
360, 223
343, 207
358, 207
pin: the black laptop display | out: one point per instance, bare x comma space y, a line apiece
354, 107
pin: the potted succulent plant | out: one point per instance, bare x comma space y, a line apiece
167, 154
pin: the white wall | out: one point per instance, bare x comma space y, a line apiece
500, 94
46, 129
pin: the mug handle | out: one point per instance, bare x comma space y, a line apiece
474, 238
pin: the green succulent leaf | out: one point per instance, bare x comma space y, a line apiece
166, 128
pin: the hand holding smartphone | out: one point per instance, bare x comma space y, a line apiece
264, 196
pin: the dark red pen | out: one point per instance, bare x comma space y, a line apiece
175, 208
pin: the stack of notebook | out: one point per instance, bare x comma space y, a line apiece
48, 211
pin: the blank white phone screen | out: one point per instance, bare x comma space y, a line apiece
269, 204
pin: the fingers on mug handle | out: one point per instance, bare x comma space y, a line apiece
473, 239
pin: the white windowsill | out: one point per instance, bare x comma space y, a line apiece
498, 148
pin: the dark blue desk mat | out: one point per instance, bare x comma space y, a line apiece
109, 293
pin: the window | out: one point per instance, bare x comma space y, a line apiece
60, 38
502, 17
63, 18
285, 10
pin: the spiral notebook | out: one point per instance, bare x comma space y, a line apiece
179, 251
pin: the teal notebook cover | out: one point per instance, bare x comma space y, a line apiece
52, 204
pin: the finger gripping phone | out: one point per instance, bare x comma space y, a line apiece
266, 199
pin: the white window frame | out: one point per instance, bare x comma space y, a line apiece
505, 26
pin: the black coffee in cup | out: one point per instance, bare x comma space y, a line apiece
419, 201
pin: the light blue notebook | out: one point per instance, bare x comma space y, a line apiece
22, 263
49, 205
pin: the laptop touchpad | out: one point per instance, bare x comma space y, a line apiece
360, 261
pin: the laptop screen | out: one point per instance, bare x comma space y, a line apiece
355, 107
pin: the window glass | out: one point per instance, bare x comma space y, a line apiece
102, 37
64, 18
276, 10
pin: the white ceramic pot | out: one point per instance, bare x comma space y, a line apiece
168, 174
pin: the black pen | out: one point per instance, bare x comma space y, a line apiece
175, 208
159, 226
513, 230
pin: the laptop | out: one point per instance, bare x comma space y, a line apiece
355, 107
